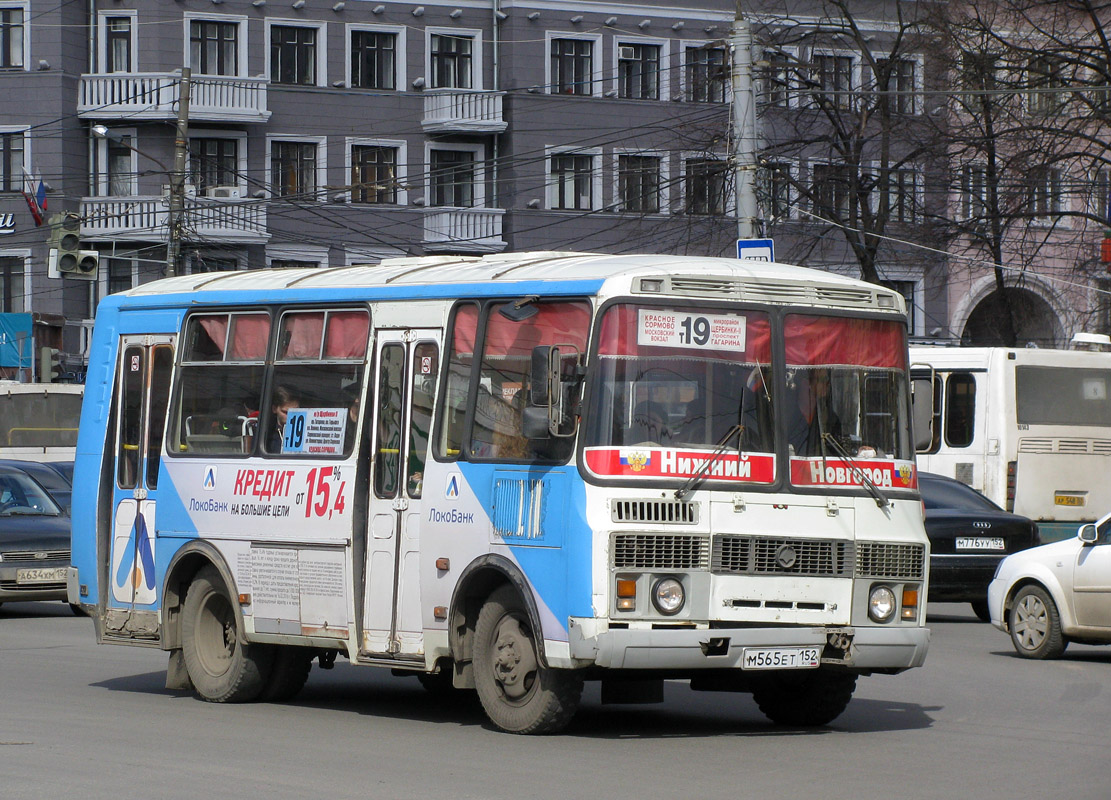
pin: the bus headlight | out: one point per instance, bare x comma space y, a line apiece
668, 596
881, 604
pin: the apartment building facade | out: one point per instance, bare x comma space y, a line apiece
334, 132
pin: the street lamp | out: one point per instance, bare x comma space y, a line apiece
177, 174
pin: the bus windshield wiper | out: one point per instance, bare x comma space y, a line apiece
697, 478
858, 473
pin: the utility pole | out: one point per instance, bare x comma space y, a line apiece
177, 177
744, 127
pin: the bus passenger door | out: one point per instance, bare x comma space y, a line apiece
405, 388
142, 393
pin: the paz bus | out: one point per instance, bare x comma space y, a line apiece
1030, 428
508, 474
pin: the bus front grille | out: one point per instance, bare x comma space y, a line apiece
890, 560
659, 551
760, 555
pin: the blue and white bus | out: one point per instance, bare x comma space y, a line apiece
509, 474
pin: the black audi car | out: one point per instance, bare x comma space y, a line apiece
969, 536
34, 540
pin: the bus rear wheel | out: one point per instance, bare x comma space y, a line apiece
288, 673
517, 692
222, 669
804, 698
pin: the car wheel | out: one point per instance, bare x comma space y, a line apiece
980, 609
222, 669
804, 698
517, 692
1035, 624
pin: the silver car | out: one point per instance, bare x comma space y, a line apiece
1048, 596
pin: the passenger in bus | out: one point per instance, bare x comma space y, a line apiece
811, 414
283, 399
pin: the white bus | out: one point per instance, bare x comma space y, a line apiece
1028, 427
38, 421
509, 474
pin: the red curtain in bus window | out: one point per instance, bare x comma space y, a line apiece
301, 335
346, 334
463, 332
814, 340
216, 326
250, 333
555, 323
619, 337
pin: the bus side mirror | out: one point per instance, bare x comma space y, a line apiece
922, 412
540, 374
1088, 534
534, 422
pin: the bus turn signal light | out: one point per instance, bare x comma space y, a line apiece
626, 595
910, 603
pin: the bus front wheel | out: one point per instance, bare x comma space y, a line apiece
518, 693
804, 698
222, 669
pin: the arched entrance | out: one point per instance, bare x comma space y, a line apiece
1028, 315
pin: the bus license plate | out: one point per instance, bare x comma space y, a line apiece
1068, 499
980, 543
46, 575
780, 657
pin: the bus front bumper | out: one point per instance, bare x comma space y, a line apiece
887, 648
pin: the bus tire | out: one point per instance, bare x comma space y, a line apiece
221, 668
1035, 625
288, 673
518, 693
804, 698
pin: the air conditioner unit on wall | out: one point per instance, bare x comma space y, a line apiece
223, 192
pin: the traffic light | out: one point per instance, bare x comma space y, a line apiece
67, 259
50, 365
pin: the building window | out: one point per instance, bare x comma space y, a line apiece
452, 178
573, 182
831, 190
11, 37
899, 93
374, 174
638, 183
117, 44
705, 185
907, 290
903, 187
833, 80
293, 169
974, 192
214, 162
775, 190
201, 263
120, 273
1045, 188
706, 74
1045, 77
11, 284
11, 161
572, 63
373, 60
979, 75
638, 71
293, 263
1101, 196
293, 55
451, 61
777, 79
119, 167
214, 47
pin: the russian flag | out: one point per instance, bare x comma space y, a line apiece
35, 197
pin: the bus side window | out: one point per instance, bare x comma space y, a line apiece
960, 409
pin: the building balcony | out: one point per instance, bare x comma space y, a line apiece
154, 96
463, 111
144, 219
463, 230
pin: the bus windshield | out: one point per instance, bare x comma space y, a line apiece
683, 377
846, 389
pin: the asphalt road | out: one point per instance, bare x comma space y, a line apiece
84, 721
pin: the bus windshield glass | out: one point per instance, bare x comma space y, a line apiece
846, 393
